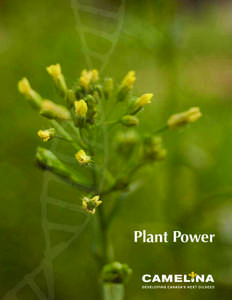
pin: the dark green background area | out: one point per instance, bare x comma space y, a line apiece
182, 53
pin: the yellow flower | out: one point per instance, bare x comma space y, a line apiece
129, 80
82, 158
143, 100
47, 135
95, 75
183, 118
90, 205
193, 114
58, 77
88, 77
54, 71
24, 87
81, 108
126, 86
108, 87
32, 96
139, 103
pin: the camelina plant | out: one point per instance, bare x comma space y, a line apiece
94, 109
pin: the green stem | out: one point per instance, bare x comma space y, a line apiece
135, 169
73, 181
115, 208
113, 291
103, 228
161, 129
102, 171
111, 122
100, 210
78, 133
95, 246
64, 133
62, 138
82, 139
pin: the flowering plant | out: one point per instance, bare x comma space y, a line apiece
88, 110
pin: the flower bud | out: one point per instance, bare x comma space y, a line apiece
32, 96
153, 149
126, 86
51, 110
116, 272
139, 103
108, 87
58, 77
129, 120
82, 158
183, 118
129, 80
48, 161
90, 205
98, 91
24, 86
54, 71
94, 76
47, 135
125, 142
81, 109
88, 77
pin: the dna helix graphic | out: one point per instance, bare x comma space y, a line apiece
116, 17
45, 268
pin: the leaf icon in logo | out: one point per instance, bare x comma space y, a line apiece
192, 274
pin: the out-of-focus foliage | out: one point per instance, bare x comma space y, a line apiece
183, 55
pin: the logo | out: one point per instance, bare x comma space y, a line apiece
178, 278
192, 274
190, 280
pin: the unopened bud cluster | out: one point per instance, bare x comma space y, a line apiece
116, 272
153, 149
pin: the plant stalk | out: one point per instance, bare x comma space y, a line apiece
113, 291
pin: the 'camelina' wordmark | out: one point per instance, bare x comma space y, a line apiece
178, 278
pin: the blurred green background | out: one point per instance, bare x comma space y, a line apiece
182, 52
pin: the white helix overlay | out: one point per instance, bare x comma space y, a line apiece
45, 268
116, 17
